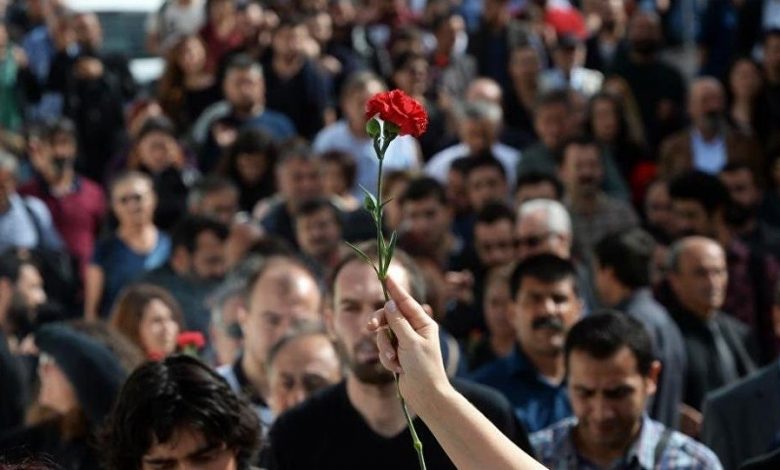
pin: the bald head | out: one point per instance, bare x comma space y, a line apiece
484, 89
706, 102
698, 274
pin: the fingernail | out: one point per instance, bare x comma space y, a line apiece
372, 323
390, 307
390, 354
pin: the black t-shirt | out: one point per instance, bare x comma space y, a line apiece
327, 432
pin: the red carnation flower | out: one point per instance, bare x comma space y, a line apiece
190, 339
400, 109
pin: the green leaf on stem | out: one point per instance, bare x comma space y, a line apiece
369, 202
373, 128
390, 249
360, 253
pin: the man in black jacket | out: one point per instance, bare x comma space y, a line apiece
359, 423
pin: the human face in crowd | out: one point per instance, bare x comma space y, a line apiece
745, 79
608, 397
285, 295
494, 243
644, 33
289, 41
7, 186
133, 201
191, 57
188, 449
689, 217
29, 287
700, 278
299, 180
543, 313
524, 65
457, 196
157, 151
413, 77
497, 305
551, 124
221, 205
354, 105
89, 34
333, 181
742, 187
303, 366
534, 237
658, 205
606, 121
427, 221
244, 89
208, 259
356, 295
478, 135
224, 331
581, 170
772, 56
318, 234
251, 167
56, 391
221, 9
707, 104
541, 190
448, 32
484, 185
158, 329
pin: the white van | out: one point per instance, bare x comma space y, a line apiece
124, 32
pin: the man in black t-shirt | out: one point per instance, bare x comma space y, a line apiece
359, 423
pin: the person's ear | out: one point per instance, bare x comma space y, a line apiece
651, 380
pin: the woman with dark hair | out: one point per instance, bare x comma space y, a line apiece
186, 88
250, 163
150, 317
178, 412
606, 122
79, 379
748, 111
222, 32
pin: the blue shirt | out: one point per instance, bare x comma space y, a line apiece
537, 402
121, 265
555, 449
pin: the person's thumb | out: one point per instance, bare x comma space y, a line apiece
407, 306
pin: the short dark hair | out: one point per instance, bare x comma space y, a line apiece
546, 268
345, 162
10, 264
732, 167
580, 141
417, 282
481, 160
424, 187
61, 126
629, 253
532, 178
185, 233
551, 98
312, 206
301, 330
242, 62
602, 334
293, 149
208, 185
494, 211
259, 265
162, 397
702, 188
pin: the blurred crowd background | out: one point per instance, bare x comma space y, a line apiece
156, 157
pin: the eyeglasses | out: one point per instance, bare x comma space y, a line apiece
128, 198
533, 241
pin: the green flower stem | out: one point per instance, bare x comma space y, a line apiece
382, 274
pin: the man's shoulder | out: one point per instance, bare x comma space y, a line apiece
492, 373
686, 452
331, 136
549, 441
743, 390
481, 395
308, 418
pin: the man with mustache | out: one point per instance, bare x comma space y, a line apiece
594, 214
359, 423
545, 304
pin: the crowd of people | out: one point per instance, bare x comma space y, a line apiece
592, 220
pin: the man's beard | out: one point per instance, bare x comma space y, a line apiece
368, 372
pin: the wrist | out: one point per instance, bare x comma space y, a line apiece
433, 403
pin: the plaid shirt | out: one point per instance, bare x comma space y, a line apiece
554, 448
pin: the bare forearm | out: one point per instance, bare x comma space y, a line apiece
468, 437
